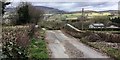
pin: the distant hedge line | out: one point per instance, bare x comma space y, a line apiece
103, 29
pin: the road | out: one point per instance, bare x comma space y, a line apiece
63, 46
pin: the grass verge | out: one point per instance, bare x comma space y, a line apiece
114, 53
37, 49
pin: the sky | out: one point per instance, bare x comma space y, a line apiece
73, 5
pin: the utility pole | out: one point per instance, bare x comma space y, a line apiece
82, 18
119, 9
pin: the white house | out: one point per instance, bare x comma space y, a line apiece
97, 25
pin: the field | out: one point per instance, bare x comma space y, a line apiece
90, 14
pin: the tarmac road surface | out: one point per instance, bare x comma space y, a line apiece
62, 46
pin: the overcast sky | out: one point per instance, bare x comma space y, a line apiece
74, 5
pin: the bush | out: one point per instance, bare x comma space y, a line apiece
52, 25
15, 40
90, 36
115, 38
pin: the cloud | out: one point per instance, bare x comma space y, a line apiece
75, 5
67, 0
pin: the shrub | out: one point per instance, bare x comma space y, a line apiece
15, 40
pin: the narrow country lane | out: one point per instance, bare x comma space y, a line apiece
62, 46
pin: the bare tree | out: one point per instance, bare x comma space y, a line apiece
36, 15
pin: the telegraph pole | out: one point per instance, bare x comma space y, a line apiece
82, 17
119, 9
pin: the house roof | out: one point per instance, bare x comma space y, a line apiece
112, 26
98, 24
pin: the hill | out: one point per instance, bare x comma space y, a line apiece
47, 10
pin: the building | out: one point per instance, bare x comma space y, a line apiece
112, 26
97, 25
70, 19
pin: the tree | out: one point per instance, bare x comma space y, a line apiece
35, 14
13, 18
23, 13
116, 21
100, 19
3, 4
28, 14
